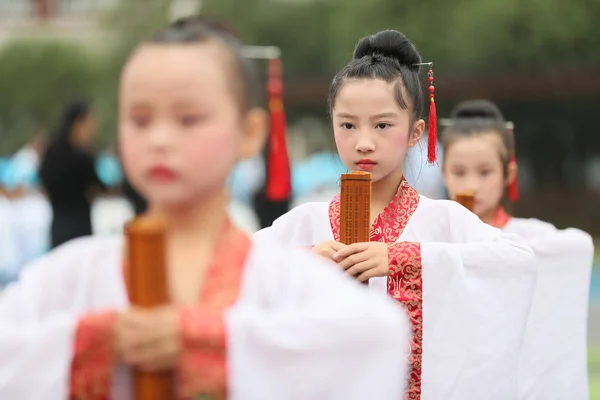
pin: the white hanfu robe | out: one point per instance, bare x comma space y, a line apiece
288, 326
553, 362
467, 287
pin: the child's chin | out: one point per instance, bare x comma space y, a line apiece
480, 212
171, 201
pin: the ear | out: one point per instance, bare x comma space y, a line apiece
416, 133
255, 133
511, 173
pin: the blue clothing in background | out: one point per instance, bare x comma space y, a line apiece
246, 179
320, 169
4, 165
21, 170
425, 178
109, 170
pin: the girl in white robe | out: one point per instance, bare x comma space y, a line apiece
479, 157
246, 321
467, 286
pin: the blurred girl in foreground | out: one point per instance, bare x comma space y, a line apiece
246, 320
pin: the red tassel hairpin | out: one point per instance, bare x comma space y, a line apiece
513, 187
432, 124
278, 186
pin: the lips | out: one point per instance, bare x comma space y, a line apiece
366, 164
161, 173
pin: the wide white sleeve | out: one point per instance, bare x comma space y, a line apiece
302, 330
303, 226
38, 320
554, 359
477, 295
35, 337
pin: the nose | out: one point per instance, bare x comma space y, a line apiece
365, 143
159, 137
472, 183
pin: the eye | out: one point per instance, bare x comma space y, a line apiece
485, 172
382, 125
190, 120
459, 173
141, 121
347, 126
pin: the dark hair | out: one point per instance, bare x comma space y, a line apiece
73, 112
193, 30
389, 56
473, 117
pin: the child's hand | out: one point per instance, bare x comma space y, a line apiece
149, 339
364, 260
327, 249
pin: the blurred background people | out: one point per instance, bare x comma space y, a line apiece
68, 174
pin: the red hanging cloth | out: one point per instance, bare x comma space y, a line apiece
513, 187
278, 186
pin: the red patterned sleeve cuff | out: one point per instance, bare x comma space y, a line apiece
94, 357
404, 276
203, 362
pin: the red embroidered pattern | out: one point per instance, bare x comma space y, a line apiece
202, 366
405, 281
93, 358
203, 363
405, 284
500, 219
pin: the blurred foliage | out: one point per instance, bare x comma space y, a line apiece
470, 38
317, 37
37, 78
40, 76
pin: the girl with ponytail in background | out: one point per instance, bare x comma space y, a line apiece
479, 158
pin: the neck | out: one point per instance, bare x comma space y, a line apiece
384, 190
488, 217
199, 223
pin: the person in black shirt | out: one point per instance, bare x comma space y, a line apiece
68, 174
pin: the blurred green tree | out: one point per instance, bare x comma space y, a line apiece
319, 35
38, 77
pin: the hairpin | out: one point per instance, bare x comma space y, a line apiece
432, 125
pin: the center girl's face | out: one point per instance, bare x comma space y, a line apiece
372, 132
181, 128
474, 164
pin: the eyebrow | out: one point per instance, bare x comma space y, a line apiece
460, 165
186, 104
345, 115
138, 105
385, 115
377, 116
